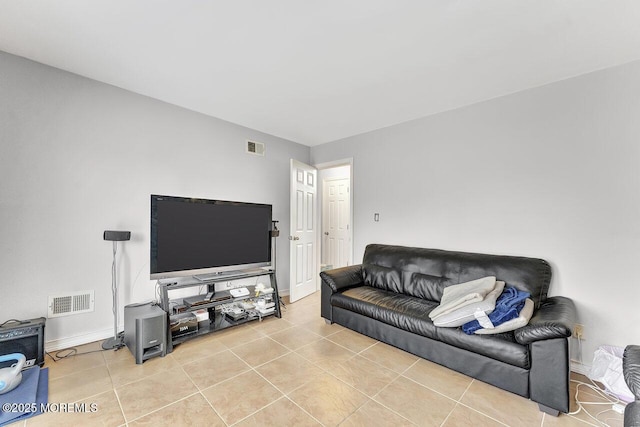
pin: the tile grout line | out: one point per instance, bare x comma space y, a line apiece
373, 398
402, 374
178, 400
124, 416
324, 371
202, 394
164, 406
449, 414
432, 389
75, 371
255, 412
381, 365
251, 368
186, 362
473, 409
356, 353
465, 390
283, 394
213, 407
303, 410
226, 379
482, 413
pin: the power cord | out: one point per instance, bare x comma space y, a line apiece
610, 400
137, 276
70, 352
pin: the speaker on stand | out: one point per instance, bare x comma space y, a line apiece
117, 341
275, 233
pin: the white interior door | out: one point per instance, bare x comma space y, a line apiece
303, 275
336, 243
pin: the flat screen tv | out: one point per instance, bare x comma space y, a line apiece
201, 237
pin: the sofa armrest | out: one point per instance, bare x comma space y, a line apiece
554, 319
342, 278
631, 368
632, 414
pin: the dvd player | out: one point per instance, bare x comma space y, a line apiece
195, 301
220, 296
198, 300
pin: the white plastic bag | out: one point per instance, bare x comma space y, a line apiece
607, 369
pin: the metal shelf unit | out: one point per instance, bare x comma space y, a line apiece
216, 323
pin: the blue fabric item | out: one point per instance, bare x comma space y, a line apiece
32, 391
508, 306
25, 393
42, 395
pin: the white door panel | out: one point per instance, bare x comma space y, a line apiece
303, 233
336, 216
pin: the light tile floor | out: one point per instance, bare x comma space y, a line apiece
293, 371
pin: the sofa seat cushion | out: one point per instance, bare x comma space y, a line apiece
412, 314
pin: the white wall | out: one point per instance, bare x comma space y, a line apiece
551, 172
78, 157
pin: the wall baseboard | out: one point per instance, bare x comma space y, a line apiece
579, 368
76, 340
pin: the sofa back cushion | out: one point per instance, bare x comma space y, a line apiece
424, 273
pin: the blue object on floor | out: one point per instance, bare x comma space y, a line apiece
27, 397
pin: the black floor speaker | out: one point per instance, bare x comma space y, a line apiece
26, 337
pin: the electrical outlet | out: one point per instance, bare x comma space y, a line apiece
578, 331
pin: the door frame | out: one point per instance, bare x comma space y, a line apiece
328, 165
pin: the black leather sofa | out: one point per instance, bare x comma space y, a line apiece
389, 296
631, 371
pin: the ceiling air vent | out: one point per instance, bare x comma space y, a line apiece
256, 148
71, 303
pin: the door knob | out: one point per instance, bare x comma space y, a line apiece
326, 233
294, 238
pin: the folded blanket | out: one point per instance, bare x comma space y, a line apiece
456, 296
513, 324
508, 307
465, 314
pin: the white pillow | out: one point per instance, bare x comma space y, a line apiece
513, 324
466, 313
457, 296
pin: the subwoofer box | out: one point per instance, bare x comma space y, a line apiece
145, 331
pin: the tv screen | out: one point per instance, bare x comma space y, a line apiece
199, 236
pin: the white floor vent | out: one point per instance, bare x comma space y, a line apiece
71, 303
256, 148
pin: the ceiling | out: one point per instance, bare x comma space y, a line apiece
318, 71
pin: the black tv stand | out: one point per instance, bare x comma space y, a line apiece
217, 321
